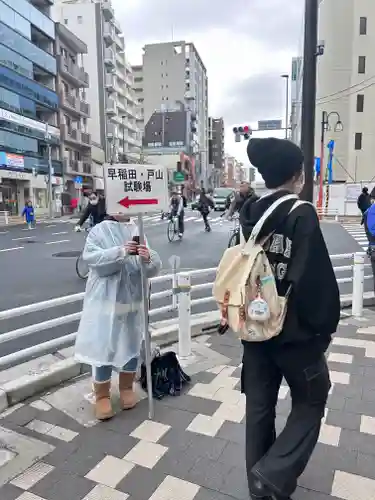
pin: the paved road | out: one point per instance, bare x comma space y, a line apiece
32, 270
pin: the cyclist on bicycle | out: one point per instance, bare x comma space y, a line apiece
177, 210
245, 194
95, 210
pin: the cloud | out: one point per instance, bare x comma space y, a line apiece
274, 23
259, 97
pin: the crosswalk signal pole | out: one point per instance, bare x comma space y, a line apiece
309, 96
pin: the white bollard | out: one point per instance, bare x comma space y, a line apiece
184, 313
358, 284
6, 218
174, 291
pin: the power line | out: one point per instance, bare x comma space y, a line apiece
350, 93
347, 88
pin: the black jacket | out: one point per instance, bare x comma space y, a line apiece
299, 257
97, 212
364, 202
205, 203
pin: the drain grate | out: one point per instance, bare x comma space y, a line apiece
70, 254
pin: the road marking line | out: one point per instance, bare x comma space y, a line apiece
4, 232
52, 225
62, 232
23, 238
54, 242
28, 229
10, 249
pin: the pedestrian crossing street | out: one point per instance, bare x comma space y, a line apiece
357, 231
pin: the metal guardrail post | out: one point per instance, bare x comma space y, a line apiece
358, 284
184, 315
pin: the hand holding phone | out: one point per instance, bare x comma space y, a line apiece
132, 246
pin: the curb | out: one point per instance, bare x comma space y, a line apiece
52, 370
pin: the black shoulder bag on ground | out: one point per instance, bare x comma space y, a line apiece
167, 376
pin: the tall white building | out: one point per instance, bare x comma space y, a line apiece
113, 120
173, 73
346, 86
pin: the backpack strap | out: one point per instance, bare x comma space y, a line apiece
258, 226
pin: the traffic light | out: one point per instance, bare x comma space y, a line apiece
244, 132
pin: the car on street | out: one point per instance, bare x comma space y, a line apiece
220, 197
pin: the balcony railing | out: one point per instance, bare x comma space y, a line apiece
76, 136
109, 57
73, 71
86, 167
85, 138
74, 104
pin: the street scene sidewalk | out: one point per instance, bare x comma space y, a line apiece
51, 448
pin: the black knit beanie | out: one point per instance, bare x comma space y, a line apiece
277, 160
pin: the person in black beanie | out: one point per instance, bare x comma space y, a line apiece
298, 254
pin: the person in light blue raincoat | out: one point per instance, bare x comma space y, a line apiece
110, 331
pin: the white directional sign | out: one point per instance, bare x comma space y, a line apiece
136, 189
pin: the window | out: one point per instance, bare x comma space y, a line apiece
18, 143
23, 46
362, 64
360, 103
358, 141
65, 22
14, 102
28, 88
79, 19
363, 25
32, 14
14, 20
16, 62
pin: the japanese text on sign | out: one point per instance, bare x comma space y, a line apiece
134, 181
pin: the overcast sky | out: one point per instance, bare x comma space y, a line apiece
245, 45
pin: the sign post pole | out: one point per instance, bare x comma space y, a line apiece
135, 189
147, 335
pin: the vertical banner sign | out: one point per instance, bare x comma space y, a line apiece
137, 190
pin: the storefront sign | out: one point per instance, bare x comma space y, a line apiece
28, 122
11, 160
10, 174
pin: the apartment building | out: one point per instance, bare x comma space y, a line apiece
173, 74
216, 149
113, 107
72, 82
139, 94
346, 86
28, 101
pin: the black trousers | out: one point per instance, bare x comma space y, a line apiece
205, 219
278, 462
181, 223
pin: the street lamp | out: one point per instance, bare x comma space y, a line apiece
286, 104
325, 126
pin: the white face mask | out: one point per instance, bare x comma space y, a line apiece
94, 202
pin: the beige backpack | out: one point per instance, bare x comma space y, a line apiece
245, 287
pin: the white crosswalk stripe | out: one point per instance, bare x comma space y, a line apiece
358, 233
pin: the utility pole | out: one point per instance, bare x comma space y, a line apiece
50, 173
286, 77
309, 96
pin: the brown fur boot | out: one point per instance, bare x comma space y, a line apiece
127, 394
103, 406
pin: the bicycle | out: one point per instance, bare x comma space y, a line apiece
234, 233
173, 229
82, 269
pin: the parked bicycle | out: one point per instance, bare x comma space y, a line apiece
173, 229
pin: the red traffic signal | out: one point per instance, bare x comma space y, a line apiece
246, 129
